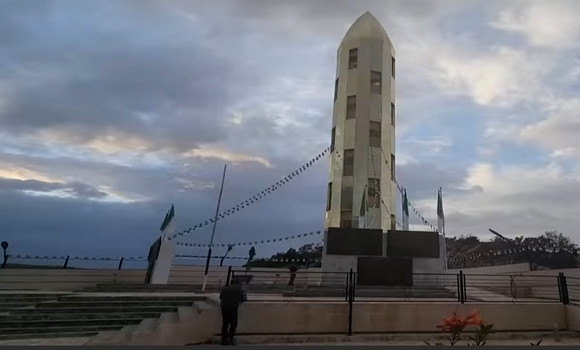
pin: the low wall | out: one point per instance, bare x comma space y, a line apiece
494, 270
573, 317
297, 317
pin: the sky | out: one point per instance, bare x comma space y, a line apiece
110, 111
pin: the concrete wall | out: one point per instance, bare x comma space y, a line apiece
296, 317
573, 317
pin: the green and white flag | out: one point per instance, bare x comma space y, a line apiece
363, 210
440, 214
405, 211
167, 225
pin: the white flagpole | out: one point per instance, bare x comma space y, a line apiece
213, 231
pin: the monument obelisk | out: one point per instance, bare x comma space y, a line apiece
362, 137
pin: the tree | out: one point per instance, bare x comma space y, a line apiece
305, 255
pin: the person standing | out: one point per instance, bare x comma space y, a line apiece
231, 297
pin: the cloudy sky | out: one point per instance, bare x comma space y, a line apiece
112, 110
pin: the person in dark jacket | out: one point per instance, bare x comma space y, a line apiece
231, 297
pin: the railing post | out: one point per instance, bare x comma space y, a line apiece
354, 286
346, 286
565, 298
121, 263
350, 297
559, 288
459, 289
463, 289
66, 262
228, 278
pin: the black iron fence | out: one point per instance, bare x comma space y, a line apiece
333, 286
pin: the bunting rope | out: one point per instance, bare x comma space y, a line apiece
254, 198
185, 244
378, 191
400, 188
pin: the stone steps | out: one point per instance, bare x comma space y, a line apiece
88, 314
63, 334
54, 331
145, 288
113, 303
10, 326
119, 314
105, 309
110, 298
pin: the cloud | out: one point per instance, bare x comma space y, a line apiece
515, 200
558, 131
227, 156
546, 24
74, 189
144, 102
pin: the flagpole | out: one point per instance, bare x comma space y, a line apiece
213, 231
443, 228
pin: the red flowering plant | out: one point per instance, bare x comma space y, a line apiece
455, 325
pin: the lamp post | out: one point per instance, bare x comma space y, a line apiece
230, 247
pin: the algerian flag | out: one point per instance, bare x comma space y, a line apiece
440, 214
405, 211
167, 225
363, 210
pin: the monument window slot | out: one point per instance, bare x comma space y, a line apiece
393, 222
351, 107
346, 219
332, 138
393, 67
375, 134
348, 165
335, 89
374, 190
346, 198
329, 197
376, 82
393, 167
392, 114
353, 58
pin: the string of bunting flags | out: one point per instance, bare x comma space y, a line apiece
254, 198
400, 188
245, 258
378, 191
185, 244
339, 156
501, 252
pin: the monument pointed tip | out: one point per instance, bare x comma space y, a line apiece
367, 25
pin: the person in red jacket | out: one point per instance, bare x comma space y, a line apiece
231, 297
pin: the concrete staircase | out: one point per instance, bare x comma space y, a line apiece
88, 314
10, 301
188, 325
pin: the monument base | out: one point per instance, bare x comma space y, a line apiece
392, 258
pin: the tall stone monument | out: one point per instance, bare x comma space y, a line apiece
360, 209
